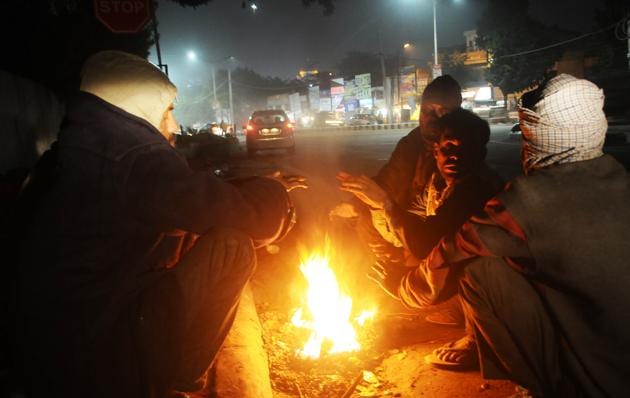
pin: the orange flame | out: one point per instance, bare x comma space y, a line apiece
330, 311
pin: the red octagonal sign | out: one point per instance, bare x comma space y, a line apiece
122, 16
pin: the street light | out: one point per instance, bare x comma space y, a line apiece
436, 72
192, 56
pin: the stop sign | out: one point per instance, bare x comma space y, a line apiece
122, 16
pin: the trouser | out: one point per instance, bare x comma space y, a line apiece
515, 335
186, 315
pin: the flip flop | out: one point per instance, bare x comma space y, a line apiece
468, 360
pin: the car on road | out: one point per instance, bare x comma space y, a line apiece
269, 129
363, 119
327, 119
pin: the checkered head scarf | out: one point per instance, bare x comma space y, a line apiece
562, 121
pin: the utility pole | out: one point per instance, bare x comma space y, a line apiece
387, 88
435, 49
230, 96
156, 35
437, 70
628, 34
214, 87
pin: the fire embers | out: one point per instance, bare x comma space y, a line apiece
328, 312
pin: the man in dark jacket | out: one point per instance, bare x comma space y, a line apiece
543, 272
410, 167
133, 265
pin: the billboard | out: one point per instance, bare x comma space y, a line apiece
363, 86
296, 106
313, 98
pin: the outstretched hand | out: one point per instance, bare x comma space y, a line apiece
388, 275
364, 188
289, 182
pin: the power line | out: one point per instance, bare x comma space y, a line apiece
560, 43
268, 88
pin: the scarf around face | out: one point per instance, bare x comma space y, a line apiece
566, 124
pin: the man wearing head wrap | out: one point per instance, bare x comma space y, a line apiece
543, 273
133, 264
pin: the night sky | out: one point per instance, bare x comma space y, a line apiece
283, 36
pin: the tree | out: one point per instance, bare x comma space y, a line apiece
328, 5
249, 91
616, 45
357, 62
47, 41
453, 63
505, 29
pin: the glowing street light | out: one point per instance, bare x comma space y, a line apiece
192, 56
436, 71
254, 7
406, 45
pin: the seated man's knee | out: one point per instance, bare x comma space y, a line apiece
480, 275
232, 247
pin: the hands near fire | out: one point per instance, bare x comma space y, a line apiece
289, 182
388, 275
364, 188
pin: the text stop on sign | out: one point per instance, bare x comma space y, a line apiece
122, 16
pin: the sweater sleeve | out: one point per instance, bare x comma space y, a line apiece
161, 189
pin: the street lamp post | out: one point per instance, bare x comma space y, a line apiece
436, 71
230, 97
214, 87
192, 56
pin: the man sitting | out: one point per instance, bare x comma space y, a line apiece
132, 265
458, 189
543, 271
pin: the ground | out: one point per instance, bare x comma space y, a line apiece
391, 362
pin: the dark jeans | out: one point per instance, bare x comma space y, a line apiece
185, 315
515, 335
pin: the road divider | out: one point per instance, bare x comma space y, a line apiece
388, 126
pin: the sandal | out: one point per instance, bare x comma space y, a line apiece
457, 355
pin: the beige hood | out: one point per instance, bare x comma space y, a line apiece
130, 83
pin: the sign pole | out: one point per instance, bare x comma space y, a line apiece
156, 35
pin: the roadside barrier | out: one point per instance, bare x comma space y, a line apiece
388, 126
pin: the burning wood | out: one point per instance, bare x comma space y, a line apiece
330, 311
